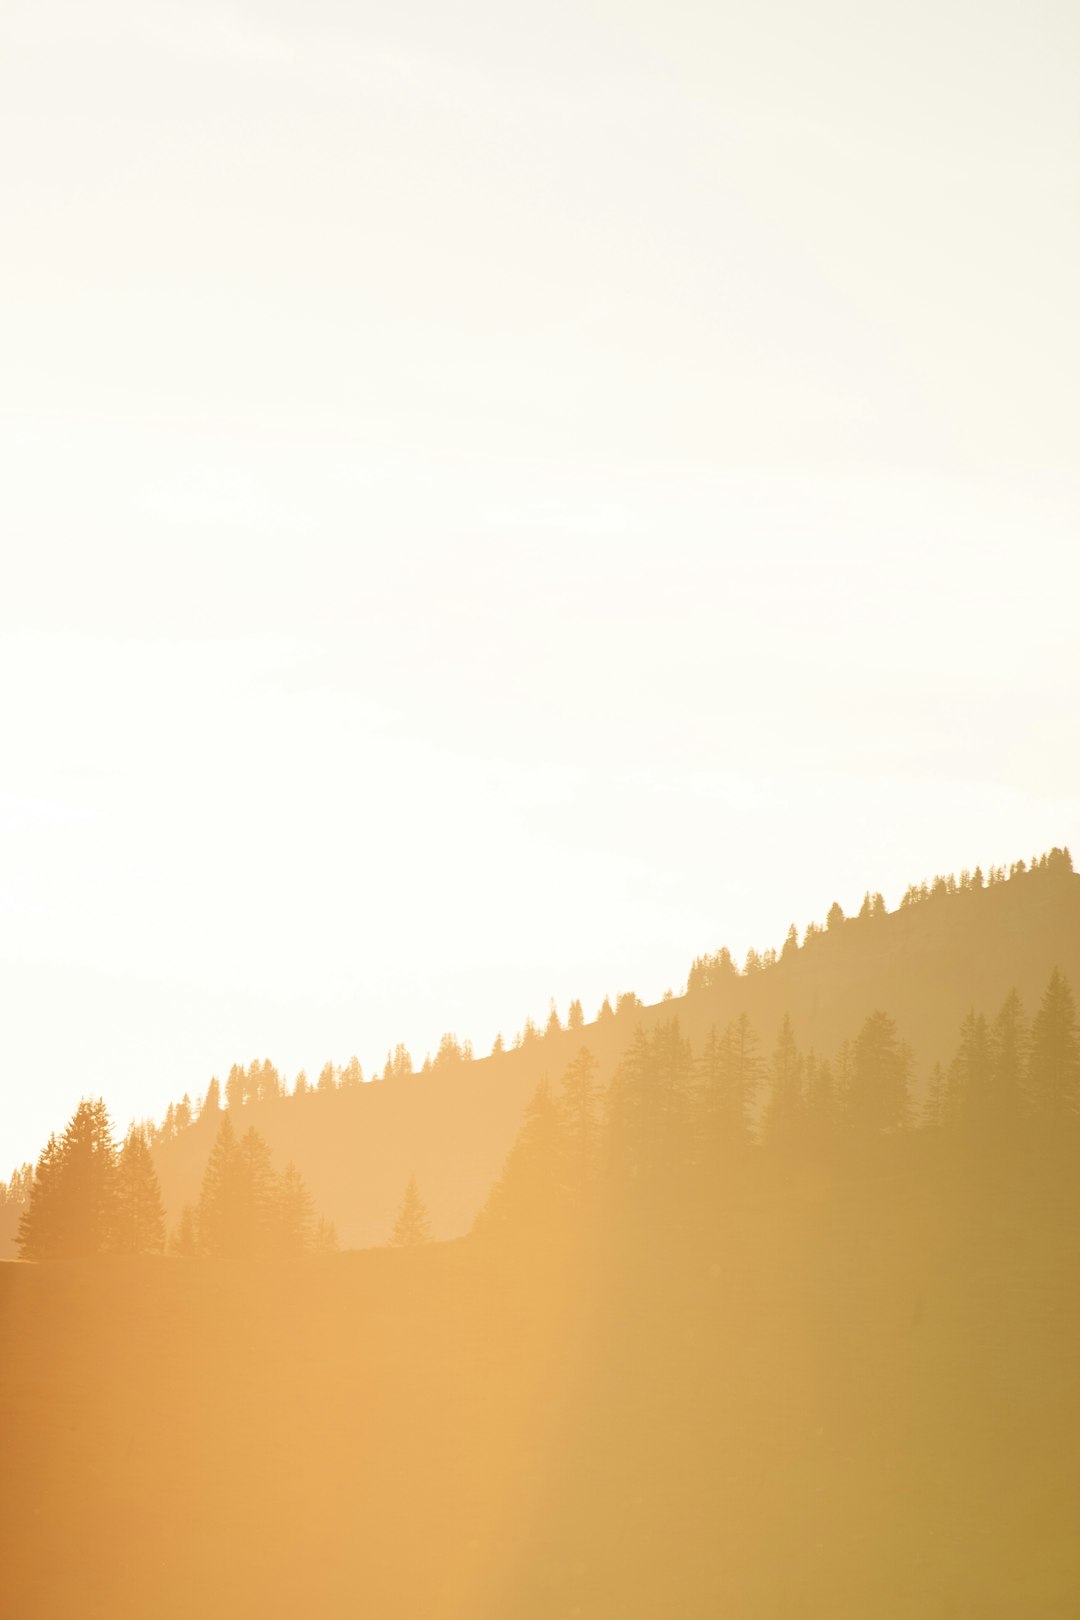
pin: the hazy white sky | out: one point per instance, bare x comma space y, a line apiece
498, 500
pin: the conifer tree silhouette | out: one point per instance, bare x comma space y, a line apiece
578, 1106
139, 1214
785, 1109
72, 1201
1054, 1068
294, 1216
413, 1225
877, 1088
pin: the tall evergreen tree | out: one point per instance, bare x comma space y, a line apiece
139, 1213
784, 1112
1054, 1065
1010, 1042
528, 1199
968, 1099
821, 1103
877, 1091
294, 1214
413, 1224
184, 1241
41, 1222
578, 1105
72, 1203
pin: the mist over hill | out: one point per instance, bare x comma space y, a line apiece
951, 946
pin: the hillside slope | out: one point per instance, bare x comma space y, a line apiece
925, 963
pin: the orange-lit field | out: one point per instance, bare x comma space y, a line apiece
853, 1393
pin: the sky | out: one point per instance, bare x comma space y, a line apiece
496, 501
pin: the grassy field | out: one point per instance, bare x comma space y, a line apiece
848, 1396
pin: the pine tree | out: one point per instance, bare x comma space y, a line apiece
649, 1108
72, 1201
294, 1214
184, 1242
727, 1073
1010, 1042
968, 1100
139, 1214
581, 1126
934, 1113
218, 1217
1054, 1065
40, 1224
235, 1086
258, 1191
413, 1224
877, 1091
821, 1106
528, 1198
785, 1108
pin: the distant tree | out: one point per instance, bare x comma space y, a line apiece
790, 948
352, 1075
212, 1100
934, 1110
399, 1063
72, 1200
326, 1238
835, 916
821, 1102
745, 1070
784, 1111
1054, 1065
270, 1085
450, 1054
575, 1018
293, 1214
579, 1110
1010, 1042
528, 1199
968, 1100
236, 1205
218, 1216
553, 1026
877, 1084
498, 1046
183, 1113
727, 1073
711, 972
413, 1224
327, 1078
235, 1086
301, 1088
648, 1110
184, 1241
139, 1215
605, 1011
42, 1224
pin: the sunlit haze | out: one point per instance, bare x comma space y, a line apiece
498, 501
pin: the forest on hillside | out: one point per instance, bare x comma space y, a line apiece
742, 1324
946, 997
